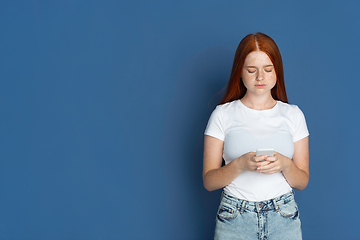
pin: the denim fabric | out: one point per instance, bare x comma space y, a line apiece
274, 219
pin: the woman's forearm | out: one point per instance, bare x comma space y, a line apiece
218, 178
296, 177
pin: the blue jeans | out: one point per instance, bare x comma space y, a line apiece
274, 219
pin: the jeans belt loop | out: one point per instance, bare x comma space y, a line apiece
275, 204
222, 195
242, 206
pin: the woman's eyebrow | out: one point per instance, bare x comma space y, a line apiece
270, 65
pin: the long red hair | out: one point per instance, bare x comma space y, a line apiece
255, 42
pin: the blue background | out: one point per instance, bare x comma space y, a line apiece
104, 103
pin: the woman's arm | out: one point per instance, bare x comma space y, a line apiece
296, 171
215, 176
297, 174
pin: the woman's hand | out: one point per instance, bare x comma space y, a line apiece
250, 162
277, 163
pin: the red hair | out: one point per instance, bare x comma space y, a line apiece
255, 42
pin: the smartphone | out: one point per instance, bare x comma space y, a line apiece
267, 152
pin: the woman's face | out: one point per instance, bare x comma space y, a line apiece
258, 73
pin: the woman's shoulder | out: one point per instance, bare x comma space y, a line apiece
225, 110
228, 105
297, 120
289, 109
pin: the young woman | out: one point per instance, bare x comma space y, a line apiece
257, 200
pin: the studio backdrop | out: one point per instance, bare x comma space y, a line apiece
103, 107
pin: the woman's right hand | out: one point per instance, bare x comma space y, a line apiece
250, 162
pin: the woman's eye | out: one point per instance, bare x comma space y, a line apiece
251, 71
268, 70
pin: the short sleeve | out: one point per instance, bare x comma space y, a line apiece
215, 126
301, 130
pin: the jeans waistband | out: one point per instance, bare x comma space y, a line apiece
258, 206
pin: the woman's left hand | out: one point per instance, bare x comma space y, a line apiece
277, 163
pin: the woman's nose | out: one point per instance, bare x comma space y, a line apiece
260, 76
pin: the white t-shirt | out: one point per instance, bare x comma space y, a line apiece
245, 130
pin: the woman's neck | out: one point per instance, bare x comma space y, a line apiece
258, 102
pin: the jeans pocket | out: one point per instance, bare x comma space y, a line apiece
227, 211
289, 210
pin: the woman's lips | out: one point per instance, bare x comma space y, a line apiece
260, 85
